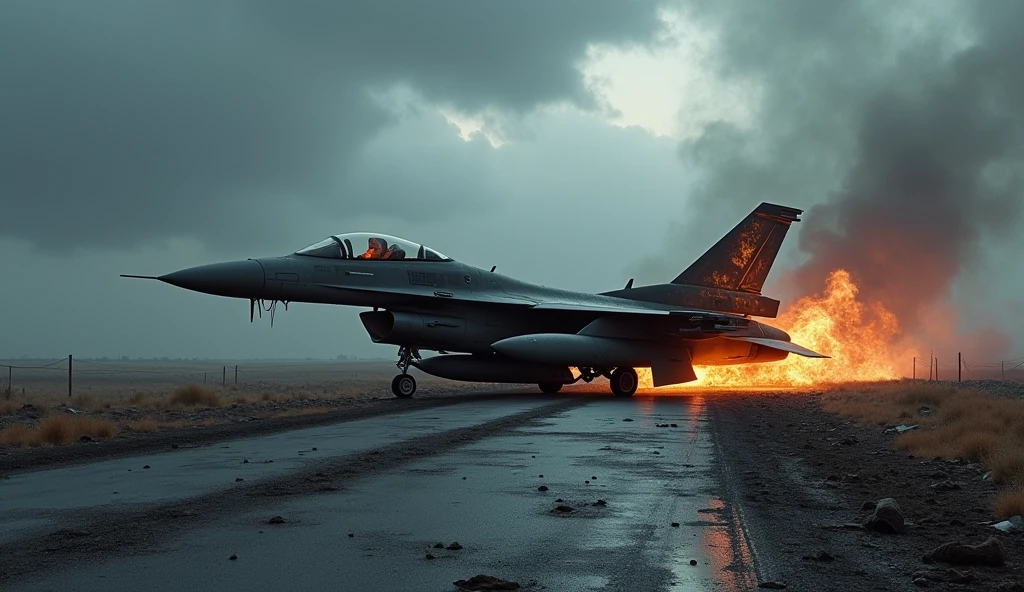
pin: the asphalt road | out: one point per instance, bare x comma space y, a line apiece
364, 509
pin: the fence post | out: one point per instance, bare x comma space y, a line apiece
204, 377
959, 365
10, 374
1002, 370
913, 373
70, 363
936, 369
236, 374
223, 376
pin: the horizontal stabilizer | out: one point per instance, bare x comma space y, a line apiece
788, 346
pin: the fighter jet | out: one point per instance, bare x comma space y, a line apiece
487, 327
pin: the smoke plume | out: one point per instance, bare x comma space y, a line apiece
899, 130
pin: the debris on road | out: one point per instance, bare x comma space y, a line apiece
233, 557
947, 575
772, 585
454, 546
823, 556
900, 429
600, 502
439, 545
542, 488
429, 556
482, 583
693, 562
675, 525
887, 517
565, 509
946, 485
991, 552
276, 520
1011, 525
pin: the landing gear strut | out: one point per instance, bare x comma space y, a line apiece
404, 385
550, 388
624, 382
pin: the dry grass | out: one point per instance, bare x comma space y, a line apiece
194, 395
143, 425
8, 407
953, 423
17, 434
57, 430
1010, 504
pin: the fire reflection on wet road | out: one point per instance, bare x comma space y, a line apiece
659, 508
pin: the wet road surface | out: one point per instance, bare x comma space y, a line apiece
480, 489
42, 498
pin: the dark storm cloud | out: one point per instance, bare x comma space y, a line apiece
904, 148
127, 121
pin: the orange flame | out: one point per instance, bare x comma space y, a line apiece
860, 338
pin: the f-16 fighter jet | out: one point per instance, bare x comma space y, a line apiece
487, 327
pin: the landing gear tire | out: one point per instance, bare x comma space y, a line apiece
550, 388
624, 382
403, 386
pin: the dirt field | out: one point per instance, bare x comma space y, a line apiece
126, 400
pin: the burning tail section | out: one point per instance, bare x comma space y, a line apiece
728, 278
741, 260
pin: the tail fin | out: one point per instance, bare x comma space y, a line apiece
741, 259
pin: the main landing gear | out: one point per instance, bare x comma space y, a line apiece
404, 385
624, 381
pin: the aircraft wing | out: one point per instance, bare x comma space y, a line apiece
692, 314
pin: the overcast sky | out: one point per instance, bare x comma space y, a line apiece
144, 137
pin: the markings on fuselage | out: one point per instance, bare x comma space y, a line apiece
422, 278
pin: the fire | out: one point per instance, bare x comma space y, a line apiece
859, 337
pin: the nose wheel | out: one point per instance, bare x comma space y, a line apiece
403, 386
624, 382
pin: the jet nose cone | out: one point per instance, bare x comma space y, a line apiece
235, 279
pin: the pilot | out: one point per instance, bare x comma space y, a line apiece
394, 252
375, 249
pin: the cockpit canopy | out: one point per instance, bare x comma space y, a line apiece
371, 245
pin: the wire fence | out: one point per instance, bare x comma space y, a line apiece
961, 369
16, 376
51, 375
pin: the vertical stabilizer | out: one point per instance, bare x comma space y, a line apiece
741, 260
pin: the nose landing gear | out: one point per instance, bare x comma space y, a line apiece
403, 386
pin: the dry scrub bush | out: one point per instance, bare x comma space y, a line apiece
17, 434
1010, 504
66, 429
194, 395
1007, 464
58, 430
